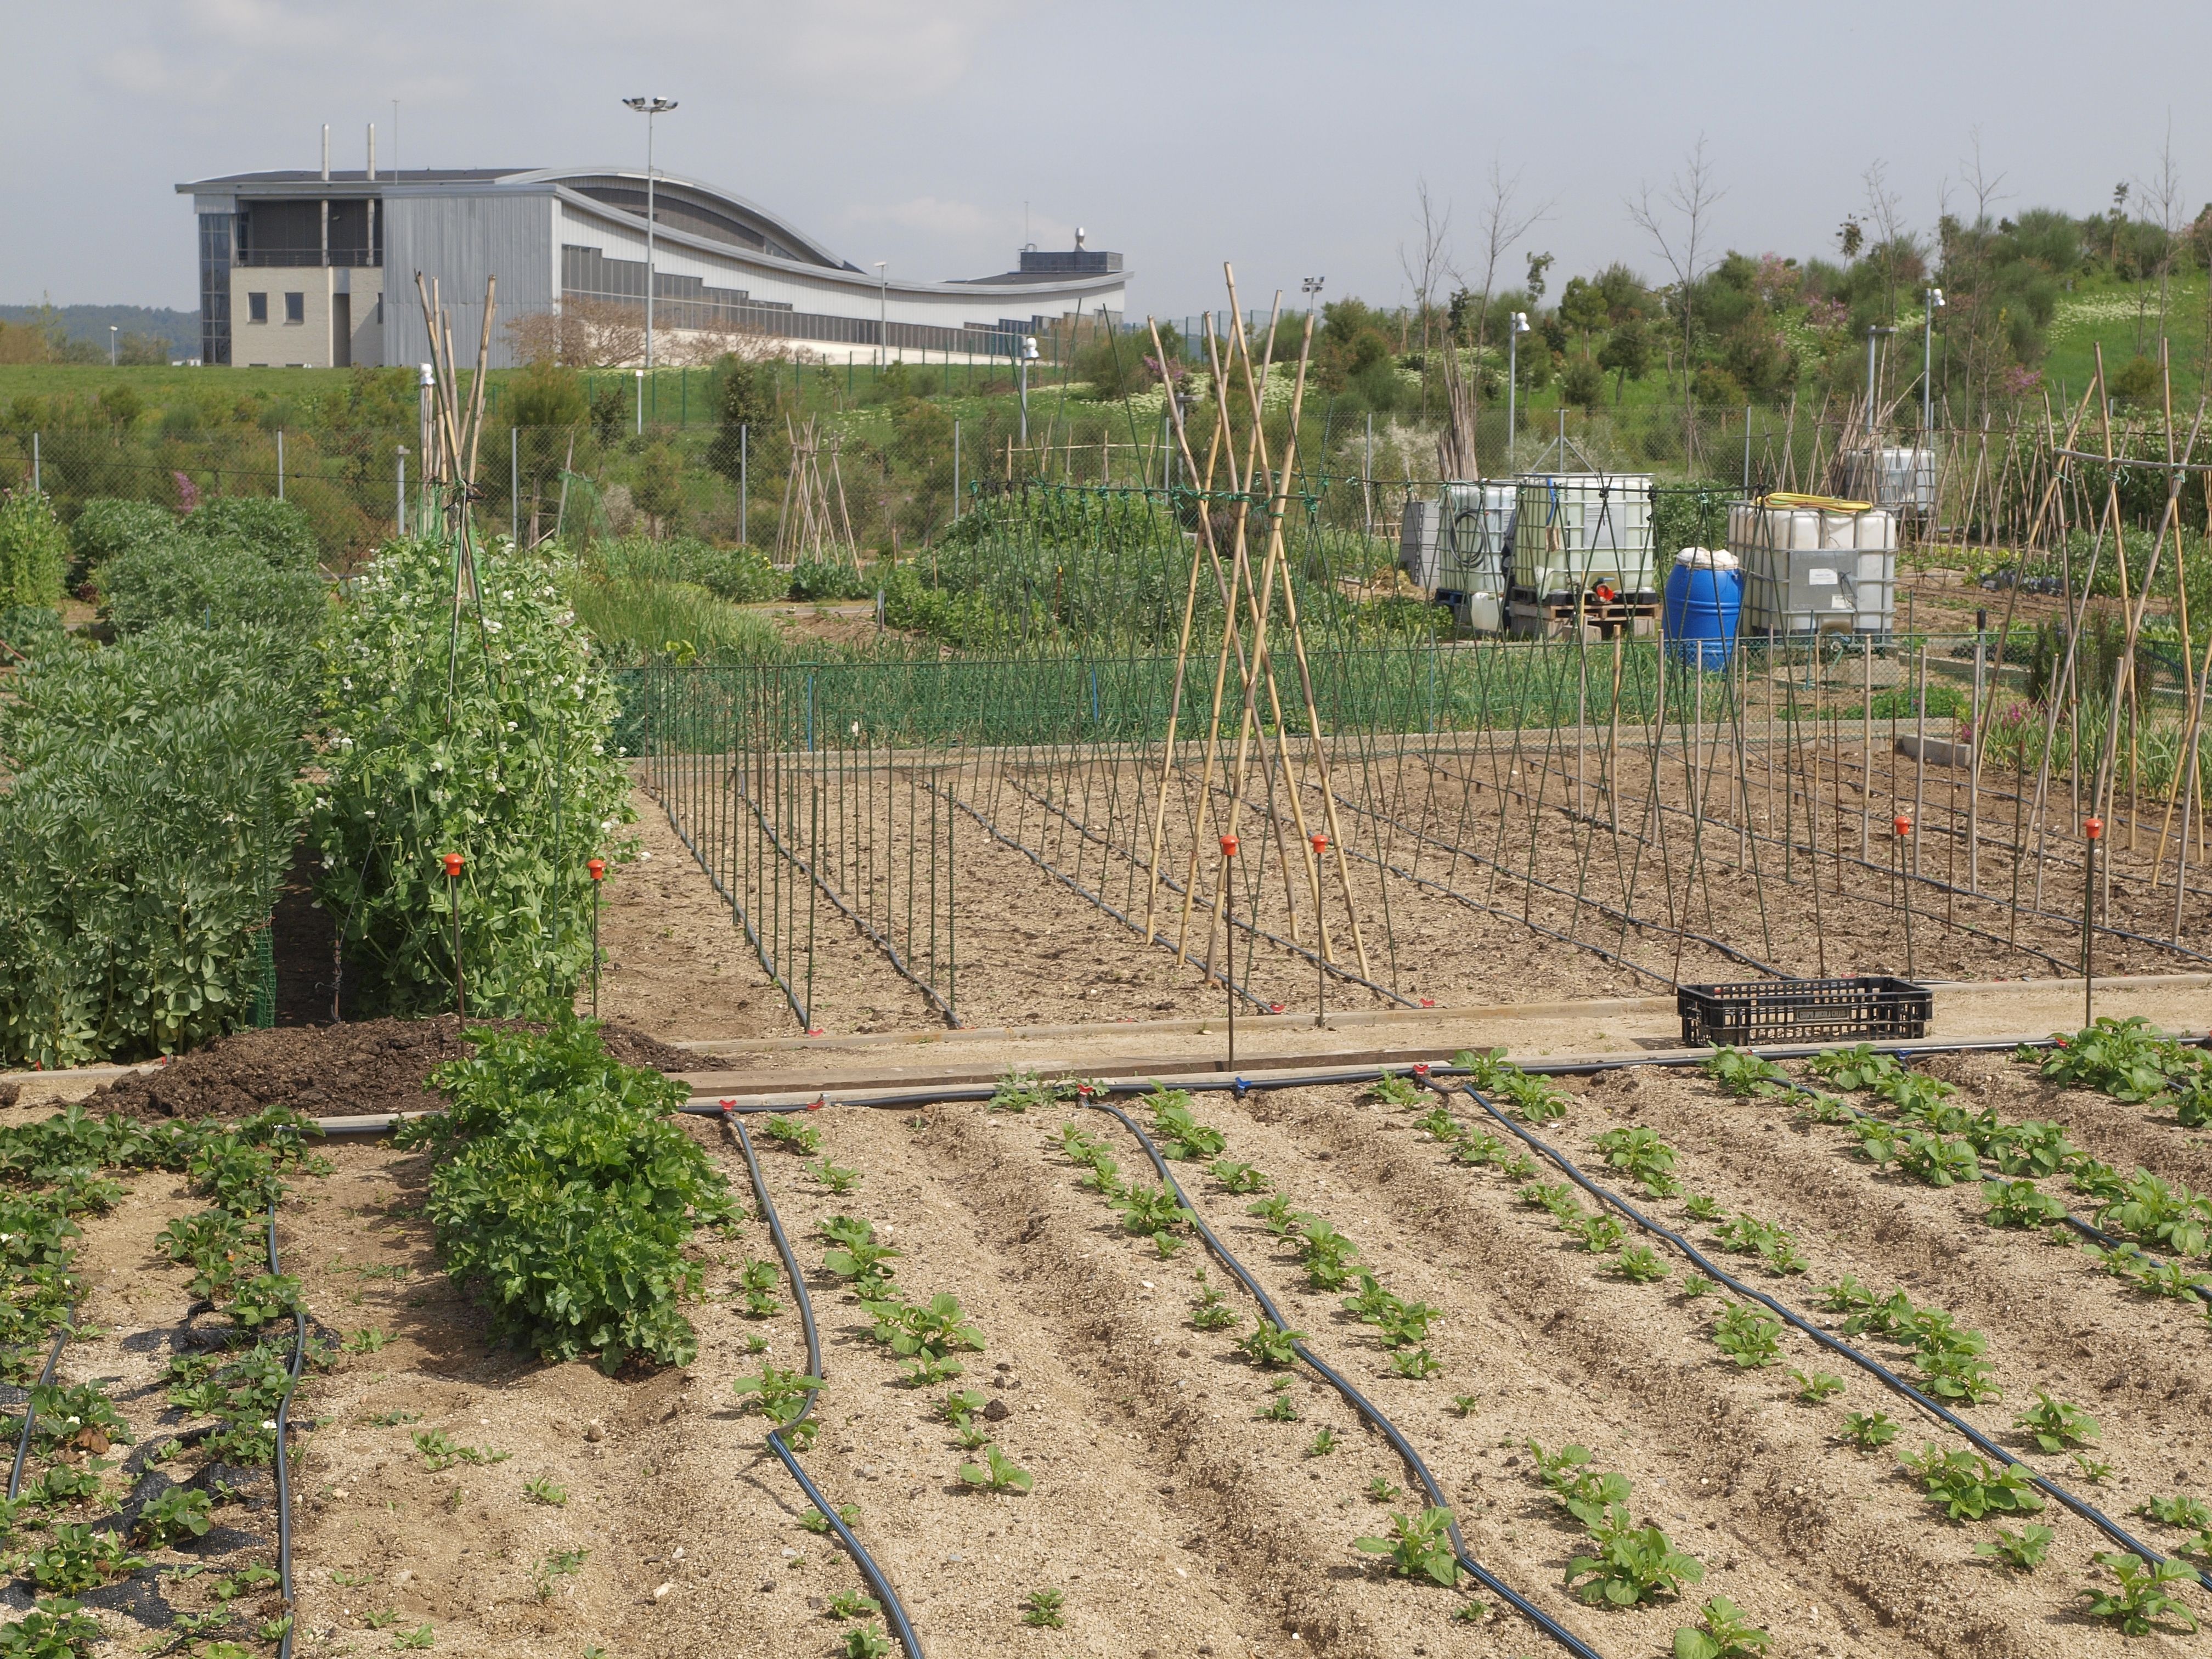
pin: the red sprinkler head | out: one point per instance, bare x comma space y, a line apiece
1902, 824
1229, 846
2092, 828
1602, 593
453, 862
598, 868
1320, 843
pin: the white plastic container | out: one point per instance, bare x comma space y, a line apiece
1575, 531
1814, 569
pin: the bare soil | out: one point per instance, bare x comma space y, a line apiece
1174, 1519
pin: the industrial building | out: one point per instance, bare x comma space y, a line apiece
317, 269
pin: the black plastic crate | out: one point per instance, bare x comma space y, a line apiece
1866, 1008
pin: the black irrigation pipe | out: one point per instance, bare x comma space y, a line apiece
1358, 1402
1880, 1372
284, 1453
894, 1611
30, 1415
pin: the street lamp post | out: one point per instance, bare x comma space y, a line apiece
648, 107
1022, 359
1516, 327
883, 314
1927, 364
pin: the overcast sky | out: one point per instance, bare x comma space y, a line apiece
1288, 138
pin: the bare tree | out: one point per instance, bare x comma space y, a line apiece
1885, 213
1426, 264
581, 333
2161, 194
1505, 221
1680, 226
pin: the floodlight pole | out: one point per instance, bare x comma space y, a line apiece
648, 107
1515, 326
883, 314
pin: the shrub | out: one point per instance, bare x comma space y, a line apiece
826, 579
34, 551
148, 819
566, 1193
277, 531
209, 585
517, 771
110, 525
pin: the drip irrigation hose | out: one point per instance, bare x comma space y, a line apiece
1880, 1372
1358, 1402
894, 1611
284, 1455
30, 1416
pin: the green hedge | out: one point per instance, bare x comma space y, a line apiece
514, 768
566, 1193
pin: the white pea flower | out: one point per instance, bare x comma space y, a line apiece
599, 748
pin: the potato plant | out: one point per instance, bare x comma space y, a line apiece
1418, 1547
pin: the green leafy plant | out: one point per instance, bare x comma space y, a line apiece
1181, 1136
541, 1489
814, 1521
1418, 1364
1640, 1153
2140, 1603
1722, 1632
1269, 1345
2193, 1514
1212, 1311
1630, 1565
2055, 1426
1968, 1487
779, 1391
1739, 1072
1393, 1088
785, 1130
2022, 1551
1856, 1067
1695, 1284
1418, 1547
422, 1636
1599, 1234
996, 1472
1323, 1444
564, 1186
174, 1515
1045, 1609
1280, 1407
1701, 1208
1641, 1265
2131, 1060
55, 1628
546, 1576
2021, 1204
836, 1177
851, 1604
1381, 1490
75, 1559
1239, 1177
1816, 1387
2092, 1470
866, 1641
1747, 1336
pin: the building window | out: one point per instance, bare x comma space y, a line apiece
257, 308
295, 308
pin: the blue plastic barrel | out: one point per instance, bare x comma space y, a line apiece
1701, 607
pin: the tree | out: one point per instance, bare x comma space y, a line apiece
1584, 384
658, 491
1680, 224
545, 405
743, 396
1627, 353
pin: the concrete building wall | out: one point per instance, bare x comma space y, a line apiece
462, 239
313, 342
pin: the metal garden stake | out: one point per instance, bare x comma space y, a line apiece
1903, 826
2093, 830
453, 861
1228, 914
1320, 966
598, 869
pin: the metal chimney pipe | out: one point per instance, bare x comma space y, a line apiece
371, 152
326, 152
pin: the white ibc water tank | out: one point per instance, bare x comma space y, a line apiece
1575, 529
1476, 546
1814, 568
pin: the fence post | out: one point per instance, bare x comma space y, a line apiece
955, 468
280, 463
515, 486
37, 487
745, 471
399, 504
